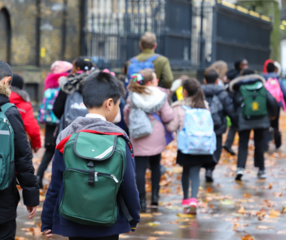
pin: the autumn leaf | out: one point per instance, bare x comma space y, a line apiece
121, 236
236, 225
21, 238
152, 238
247, 237
185, 215
209, 190
153, 224
146, 215
278, 194
264, 227
163, 233
274, 214
283, 210
247, 195
241, 210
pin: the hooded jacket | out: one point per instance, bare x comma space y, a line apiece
52, 80
21, 100
261, 123
51, 219
156, 102
227, 103
24, 170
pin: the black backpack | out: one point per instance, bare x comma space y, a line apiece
216, 109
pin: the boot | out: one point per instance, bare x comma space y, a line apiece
155, 197
143, 203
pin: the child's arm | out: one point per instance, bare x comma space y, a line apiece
174, 125
126, 112
53, 191
129, 190
166, 113
229, 109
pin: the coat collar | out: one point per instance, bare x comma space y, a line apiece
5, 90
245, 79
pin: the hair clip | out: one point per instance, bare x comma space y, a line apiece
138, 78
86, 68
107, 71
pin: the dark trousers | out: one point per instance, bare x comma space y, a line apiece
141, 167
8, 230
216, 154
114, 237
47, 158
230, 137
275, 123
259, 138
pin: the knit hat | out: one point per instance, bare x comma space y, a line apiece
61, 67
17, 81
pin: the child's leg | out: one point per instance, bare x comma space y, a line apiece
217, 152
243, 148
141, 166
195, 178
48, 156
230, 137
154, 162
186, 181
259, 137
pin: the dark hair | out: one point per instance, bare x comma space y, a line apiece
247, 71
237, 64
83, 63
232, 74
100, 87
195, 91
5, 70
17, 81
211, 75
270, 67
142, 89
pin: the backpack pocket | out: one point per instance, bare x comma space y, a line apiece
100, 206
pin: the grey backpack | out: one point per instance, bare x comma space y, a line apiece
216, 109
74, 108
139, 124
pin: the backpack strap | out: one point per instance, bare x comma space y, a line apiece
134, 60
185, 107
4, 108
124, 208
152, 58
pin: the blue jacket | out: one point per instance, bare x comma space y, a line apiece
51, 219
275, 75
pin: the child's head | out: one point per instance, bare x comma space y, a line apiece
5, 74
81, 64
101, 94
271, 67
211, 77
17, 81
192, 88
247, 71
141, 81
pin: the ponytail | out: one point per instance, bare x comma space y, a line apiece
138, 81
195, 91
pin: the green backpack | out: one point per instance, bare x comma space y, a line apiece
7, 151
95, 165
254, 104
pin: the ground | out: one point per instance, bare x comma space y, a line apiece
229, 210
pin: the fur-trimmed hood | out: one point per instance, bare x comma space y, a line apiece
22, 93
5, 90
234, 84
187, 102
149, 103
52, 80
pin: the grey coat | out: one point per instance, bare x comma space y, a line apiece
272, 105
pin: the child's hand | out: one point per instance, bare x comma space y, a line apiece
32, 211
48, 234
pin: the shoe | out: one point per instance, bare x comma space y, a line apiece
209, 176
155, 197
186, 203
143, 204
239, 174
229, 150
193, 206
40, 182
261, 174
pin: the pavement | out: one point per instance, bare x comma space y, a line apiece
228, 210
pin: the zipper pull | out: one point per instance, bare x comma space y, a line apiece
95, 176
114, 178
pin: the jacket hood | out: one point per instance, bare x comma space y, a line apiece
84, 123
245, 79
212, 89
5, 90
271, 75
149, 103
52, 80
187, 102
22, 94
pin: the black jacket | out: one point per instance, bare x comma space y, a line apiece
24, 170
272, 105
227, 103
59, 105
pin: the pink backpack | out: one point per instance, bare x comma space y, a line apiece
273, 86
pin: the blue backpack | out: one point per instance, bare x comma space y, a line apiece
137, 66
198, 136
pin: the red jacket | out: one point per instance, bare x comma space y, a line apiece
22, 101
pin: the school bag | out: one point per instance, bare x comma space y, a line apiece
216, 109
46, 114
94, 169
136, 66
197, 136
169, 136
254, 104
74, 107
273, 86
7, 152
139, 124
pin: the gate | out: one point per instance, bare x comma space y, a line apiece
113, 28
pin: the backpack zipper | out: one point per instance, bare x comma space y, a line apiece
96, 174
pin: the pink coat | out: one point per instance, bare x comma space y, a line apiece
154, 143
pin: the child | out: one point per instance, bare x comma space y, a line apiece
21, 99
145, 95
221, 105
22, 169
101, 95
256, 106
46, 116
191, 163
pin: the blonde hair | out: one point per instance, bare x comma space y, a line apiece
220, 67
148, 40
142, 89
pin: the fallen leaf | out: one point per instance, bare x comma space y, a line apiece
236, 225
152, 238
123, 236
247, 237
264, 227
283, 210
184, 226
241, 210
247, 195
278, 194
145, 215
42, 198
153, 224
157, 214
185, 215
274, 214
209, 190
21, 238
163, 233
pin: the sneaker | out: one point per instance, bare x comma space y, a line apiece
239, 174
261, 174
186, 203
193, 205
209, 176
229, 150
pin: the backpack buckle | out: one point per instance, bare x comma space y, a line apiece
91, 177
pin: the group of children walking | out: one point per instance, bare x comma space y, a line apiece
94, 157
